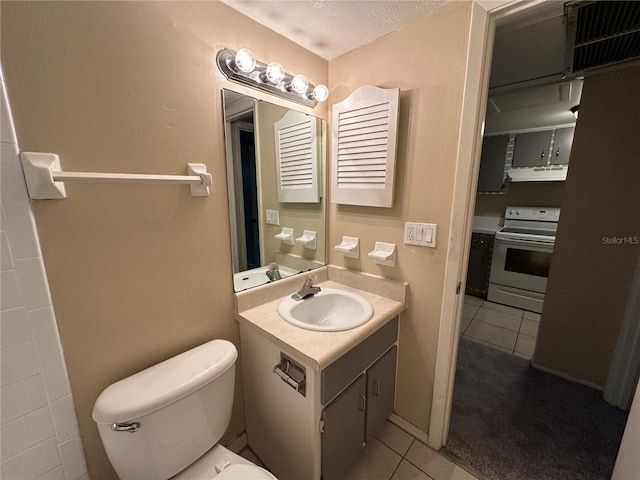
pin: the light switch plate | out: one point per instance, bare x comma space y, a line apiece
421, 234
273, 217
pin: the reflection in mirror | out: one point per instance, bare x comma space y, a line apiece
275, 167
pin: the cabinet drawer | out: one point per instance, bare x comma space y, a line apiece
344, 370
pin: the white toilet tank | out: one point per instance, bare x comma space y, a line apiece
182, 405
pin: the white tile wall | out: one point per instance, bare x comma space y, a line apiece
40, 439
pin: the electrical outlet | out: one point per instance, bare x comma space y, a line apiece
422, 234
273, 217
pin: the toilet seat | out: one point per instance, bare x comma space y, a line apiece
240, 471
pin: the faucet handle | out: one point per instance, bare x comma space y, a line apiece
308, 283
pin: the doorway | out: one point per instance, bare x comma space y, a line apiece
448, 341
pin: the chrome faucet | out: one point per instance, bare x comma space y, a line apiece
306, 290
273, 273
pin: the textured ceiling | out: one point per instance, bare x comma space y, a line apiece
330, 28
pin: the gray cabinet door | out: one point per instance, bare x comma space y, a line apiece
381, 388
494, 154
532, 149
562, 146
343, 436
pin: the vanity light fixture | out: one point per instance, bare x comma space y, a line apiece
242, 67
244, 60
274, 73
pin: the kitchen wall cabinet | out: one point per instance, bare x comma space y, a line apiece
532, 149
492, 160
562, 146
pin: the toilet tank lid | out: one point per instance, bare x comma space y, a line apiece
164, 383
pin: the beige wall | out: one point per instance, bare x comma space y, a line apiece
299, 216
535, 194
137, 273
589, 280
427, 61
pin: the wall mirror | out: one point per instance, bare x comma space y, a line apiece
276, 161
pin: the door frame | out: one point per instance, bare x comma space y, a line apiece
485, 15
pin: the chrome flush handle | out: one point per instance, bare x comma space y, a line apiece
132, 427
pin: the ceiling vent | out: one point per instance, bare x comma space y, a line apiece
602, 33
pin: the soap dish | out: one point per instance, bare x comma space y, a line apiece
384, 254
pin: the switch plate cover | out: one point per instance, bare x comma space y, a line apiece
421, 234
273, 217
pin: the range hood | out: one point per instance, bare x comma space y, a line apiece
551, 173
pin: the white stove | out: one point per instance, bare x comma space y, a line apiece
522, 256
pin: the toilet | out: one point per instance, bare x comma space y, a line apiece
165, 422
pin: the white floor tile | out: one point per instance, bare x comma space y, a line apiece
469, 310
503, 308
464, 324
529, 327
499, 319
376, 462
532, 316
494, 335
435, 465
470, 299
395, 438
407, 471
525, 344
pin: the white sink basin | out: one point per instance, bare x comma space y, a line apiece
330, 310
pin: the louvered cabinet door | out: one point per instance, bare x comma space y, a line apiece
297, 158
364, 137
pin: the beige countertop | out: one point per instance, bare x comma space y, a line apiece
320, 348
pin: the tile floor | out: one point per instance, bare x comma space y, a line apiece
396, 455
508, 329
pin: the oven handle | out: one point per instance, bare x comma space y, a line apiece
523, 241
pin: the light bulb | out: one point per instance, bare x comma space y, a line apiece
299, 84
320, 92
274, 72
244, 60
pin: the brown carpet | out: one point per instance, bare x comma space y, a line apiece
513, 422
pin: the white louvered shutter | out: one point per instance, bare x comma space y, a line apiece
297, 158
364, 136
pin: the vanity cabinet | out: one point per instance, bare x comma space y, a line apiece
317, 432
356, 415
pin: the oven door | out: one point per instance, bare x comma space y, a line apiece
521, 264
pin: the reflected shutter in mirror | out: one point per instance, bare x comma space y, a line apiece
297, 158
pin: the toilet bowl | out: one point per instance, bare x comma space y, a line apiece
166, 421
